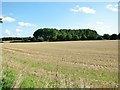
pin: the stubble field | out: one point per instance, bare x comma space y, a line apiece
89, 64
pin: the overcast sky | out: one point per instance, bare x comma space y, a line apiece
23, 18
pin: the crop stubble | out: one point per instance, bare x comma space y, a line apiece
63, 64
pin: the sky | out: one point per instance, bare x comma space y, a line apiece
60, 0
21, 19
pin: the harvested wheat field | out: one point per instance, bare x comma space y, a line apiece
72, 64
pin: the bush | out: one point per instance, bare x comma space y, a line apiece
33, 39
99, 38
7, 80
40, 39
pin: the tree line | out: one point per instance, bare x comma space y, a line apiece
53, 34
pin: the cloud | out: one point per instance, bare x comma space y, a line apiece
18, 30
8, 19
114, 8
26, 24
7, 32
86, 10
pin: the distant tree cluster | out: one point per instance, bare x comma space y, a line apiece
111, 37
12, 39
51, 34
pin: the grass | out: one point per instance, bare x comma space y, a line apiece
68, 64
32, 81
28, 82
8, 79
73, 72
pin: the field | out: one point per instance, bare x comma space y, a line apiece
89, 64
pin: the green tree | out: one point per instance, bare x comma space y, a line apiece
40, 39
106, 36
33, 39
83, 37
69, 37
119, 36
75, 37
52, 34
99, 38
114, 37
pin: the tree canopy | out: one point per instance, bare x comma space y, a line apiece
52, 34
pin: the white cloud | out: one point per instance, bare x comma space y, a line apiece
114, 8
18, 30
26, 24
87, 10
7, 32
8, 19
